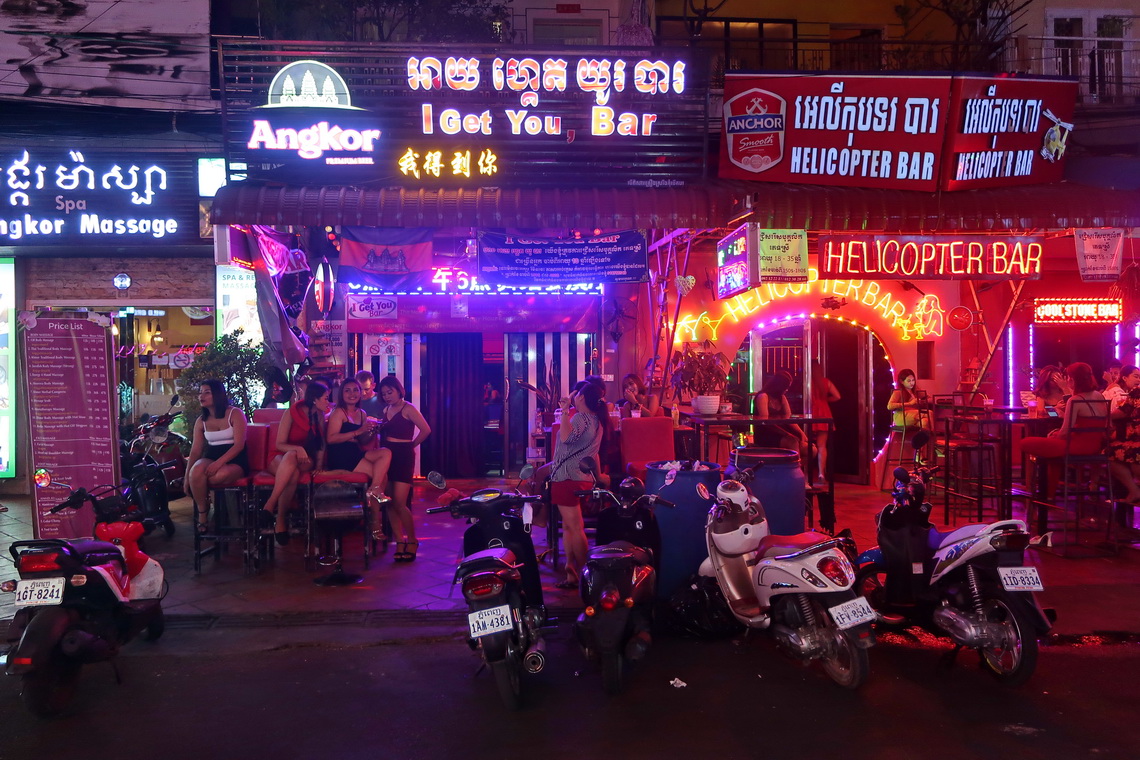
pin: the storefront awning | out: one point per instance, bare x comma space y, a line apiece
700, 206
1056, 206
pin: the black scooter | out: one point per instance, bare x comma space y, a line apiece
499, 577
619, 581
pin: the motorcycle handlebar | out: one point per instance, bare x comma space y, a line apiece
663, 502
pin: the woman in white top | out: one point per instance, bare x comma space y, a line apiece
218, 456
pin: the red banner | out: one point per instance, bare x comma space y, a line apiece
929, 257
852, 130
386, 251
1007, 131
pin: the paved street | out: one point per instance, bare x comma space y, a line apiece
371, 692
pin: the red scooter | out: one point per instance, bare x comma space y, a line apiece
80, 600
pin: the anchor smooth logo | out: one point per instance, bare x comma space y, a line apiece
754, 124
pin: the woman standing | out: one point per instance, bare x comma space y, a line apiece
404, 429
580, 438
300, 447
823, 392
218, 456
349, 428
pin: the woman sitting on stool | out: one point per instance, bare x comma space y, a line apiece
218, 455
349, 429
300, 448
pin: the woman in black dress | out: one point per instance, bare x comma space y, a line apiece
349, 434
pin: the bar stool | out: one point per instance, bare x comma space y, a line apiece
338, 504
895, 456
233, 521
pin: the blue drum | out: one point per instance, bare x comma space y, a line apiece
683, 547
779, 485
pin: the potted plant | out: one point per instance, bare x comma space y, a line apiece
702, 372
546, 393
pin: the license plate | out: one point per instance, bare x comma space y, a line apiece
40, 591
1020, 579
852, 613
493, 620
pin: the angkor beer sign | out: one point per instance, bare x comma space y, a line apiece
907, 132
929, 257
54, 197
866, 131
471, 116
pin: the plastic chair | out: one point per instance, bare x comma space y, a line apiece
645, 440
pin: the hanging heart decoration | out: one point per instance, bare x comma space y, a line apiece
685, 284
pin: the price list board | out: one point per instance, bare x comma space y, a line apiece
71, 409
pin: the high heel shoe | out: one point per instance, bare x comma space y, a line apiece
405, 555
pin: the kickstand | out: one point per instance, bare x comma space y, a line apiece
950, 659
115, 670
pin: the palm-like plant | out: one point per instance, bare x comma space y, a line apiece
548, 390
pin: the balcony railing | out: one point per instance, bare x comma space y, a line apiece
1107, 68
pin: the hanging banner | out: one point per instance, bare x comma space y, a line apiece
1099, 253
783, 255
328, 348
73, 426
513, 260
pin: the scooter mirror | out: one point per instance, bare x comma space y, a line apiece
437, 480
158, 434
42, 478
703, 491
526, 471
921, 438
901, 475
174, 400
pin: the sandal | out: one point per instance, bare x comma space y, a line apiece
266, 521
406, 556
569, 583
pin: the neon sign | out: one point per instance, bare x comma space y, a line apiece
409, 164
1078, 311
930, 257
736, 268
922, 321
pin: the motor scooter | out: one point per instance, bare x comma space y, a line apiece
619, 580
971, 584
155, 443
80, 600
801, 588
498, 574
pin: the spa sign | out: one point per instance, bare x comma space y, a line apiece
930, 257
472, 116
68, 197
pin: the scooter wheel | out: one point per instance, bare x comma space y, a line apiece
156, 627
612, 676
47, 691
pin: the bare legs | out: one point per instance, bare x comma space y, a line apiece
1124, 474
573, 539
402, 522
375, 464
201, 483
821, 446
286, 471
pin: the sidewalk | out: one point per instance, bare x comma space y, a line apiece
1090, 595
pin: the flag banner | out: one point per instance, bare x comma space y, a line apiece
514, 260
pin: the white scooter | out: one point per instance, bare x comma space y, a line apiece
800, 588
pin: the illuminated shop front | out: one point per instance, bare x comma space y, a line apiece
476, 210
117, 232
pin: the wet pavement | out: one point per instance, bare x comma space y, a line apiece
1091, 595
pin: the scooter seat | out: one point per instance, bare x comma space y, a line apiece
488, 559
621, 550
93, 552
936, 539
776, 546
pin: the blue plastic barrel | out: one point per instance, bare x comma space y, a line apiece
682, 528
779, 485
